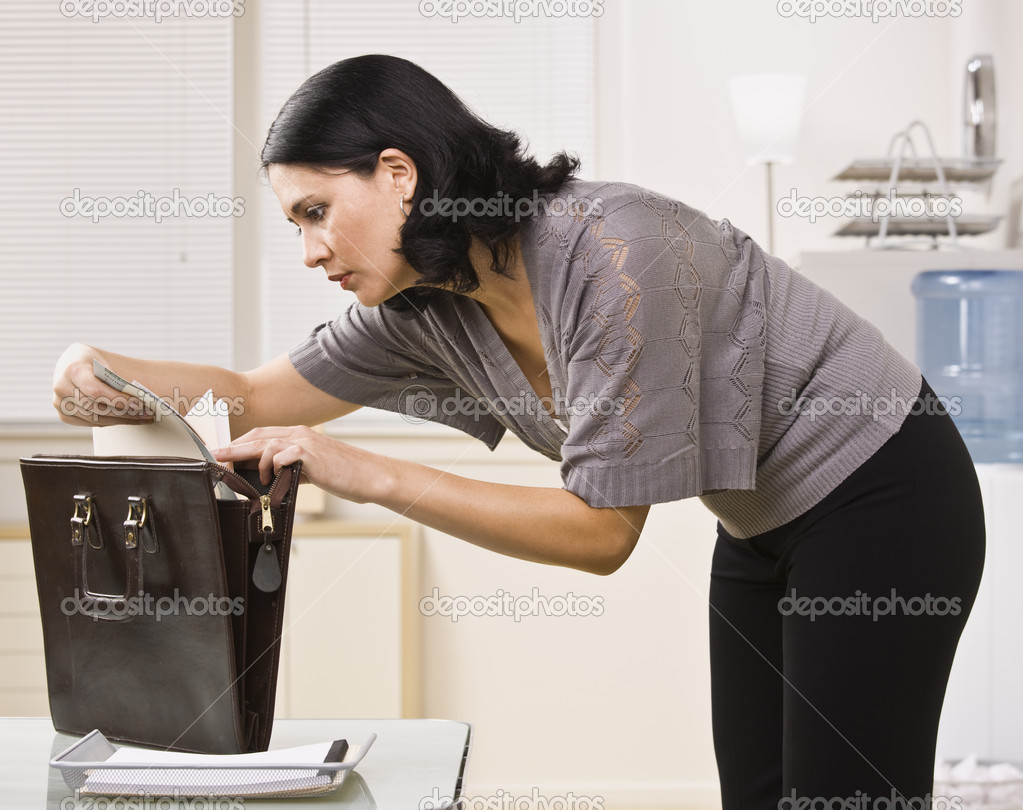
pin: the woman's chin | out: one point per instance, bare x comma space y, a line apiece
368, 298
374, 298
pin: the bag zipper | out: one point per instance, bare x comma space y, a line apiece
266, 574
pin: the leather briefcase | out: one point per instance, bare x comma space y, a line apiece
162, 605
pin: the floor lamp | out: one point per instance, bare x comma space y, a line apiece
767, 108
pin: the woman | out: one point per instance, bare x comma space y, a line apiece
658, 355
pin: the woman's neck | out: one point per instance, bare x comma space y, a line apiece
504, 298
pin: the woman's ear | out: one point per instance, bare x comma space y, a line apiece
398, 171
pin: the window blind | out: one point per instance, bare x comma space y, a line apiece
126, 109
131, 116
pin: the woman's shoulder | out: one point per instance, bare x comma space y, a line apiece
632, 245
614, 221
588, 209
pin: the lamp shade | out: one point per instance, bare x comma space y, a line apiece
767, 107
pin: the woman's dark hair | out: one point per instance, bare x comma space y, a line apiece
348, 113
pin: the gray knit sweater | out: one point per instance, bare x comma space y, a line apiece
684, 361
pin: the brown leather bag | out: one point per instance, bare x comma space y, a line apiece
162, 605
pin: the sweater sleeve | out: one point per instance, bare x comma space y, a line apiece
657, 292
374, 357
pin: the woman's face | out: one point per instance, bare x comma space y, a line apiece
349, 223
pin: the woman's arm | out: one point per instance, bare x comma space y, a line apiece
538, 524
271, 394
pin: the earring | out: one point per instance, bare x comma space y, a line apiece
401, 204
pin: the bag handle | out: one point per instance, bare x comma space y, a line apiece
139, 537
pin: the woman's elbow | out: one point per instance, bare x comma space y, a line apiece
616, 547
600, 539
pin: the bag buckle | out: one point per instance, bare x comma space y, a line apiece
81, 522
138, 517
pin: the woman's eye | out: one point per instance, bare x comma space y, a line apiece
314, 215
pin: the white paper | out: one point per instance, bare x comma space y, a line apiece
169, 434
214, 774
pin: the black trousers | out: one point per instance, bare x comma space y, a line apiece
832, 637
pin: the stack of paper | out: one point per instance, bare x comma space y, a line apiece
305, 770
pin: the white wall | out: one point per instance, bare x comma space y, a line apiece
666, 120
994, 27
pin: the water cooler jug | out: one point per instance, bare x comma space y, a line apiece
970, 349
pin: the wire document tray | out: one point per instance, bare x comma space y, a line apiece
92, 766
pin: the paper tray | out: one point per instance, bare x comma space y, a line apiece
85, 770
919, 226
921, 170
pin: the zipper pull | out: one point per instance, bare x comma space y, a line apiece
267, 520
266, 575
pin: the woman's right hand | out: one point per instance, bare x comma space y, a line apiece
82, 399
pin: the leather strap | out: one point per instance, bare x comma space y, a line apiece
138, 536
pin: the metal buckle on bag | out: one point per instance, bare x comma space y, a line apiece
137, 520
81, 522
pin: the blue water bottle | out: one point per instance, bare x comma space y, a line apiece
970, 349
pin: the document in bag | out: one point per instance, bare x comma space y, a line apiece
204, 428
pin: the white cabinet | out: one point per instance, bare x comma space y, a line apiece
22, 669
983, 710
876, 283
350, 646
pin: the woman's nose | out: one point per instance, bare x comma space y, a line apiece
314, 250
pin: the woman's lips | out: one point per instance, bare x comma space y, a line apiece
342, 280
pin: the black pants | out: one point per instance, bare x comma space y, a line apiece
825, 685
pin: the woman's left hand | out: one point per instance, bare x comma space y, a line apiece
332, 465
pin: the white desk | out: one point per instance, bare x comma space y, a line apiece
412, 762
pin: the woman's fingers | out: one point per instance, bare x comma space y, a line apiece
328, 463
279, 454
80, 398
99, 407
268, 460
273, 447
